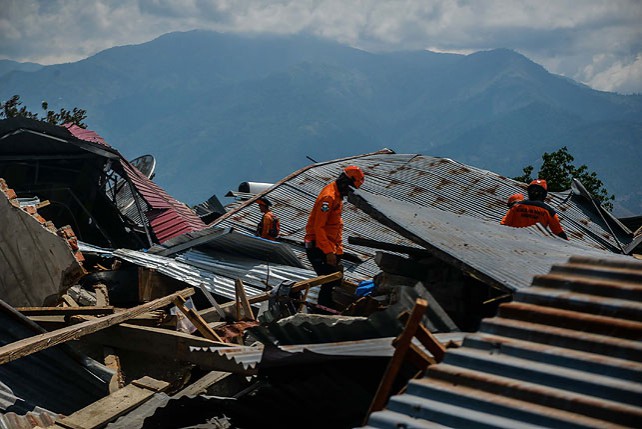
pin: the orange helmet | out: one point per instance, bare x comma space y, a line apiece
515, 198
539, 182
356, 174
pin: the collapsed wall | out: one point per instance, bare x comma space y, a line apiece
37, 260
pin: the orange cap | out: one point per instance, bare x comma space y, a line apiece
355, 173
539, 182
514, 198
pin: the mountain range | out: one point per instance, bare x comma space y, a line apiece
219, 109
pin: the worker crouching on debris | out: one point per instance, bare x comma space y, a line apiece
324, 230
534, 210
269, 226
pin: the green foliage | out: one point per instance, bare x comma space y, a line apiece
13, 108
526, 177
558, 171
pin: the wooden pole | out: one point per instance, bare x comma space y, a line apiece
242, 298
27, 346
196, 319
65, 311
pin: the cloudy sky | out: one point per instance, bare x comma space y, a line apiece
597, 42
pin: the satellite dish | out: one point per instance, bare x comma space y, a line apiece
146, 164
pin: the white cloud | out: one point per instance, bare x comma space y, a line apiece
595, 41
620, 76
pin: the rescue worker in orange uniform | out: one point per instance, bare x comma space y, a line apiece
324, 230
268, 227
534, 210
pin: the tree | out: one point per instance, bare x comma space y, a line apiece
13, 108
558, 171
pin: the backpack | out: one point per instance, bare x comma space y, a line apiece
275, 229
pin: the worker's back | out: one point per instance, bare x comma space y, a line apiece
534, 210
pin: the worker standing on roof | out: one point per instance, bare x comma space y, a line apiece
269, 226
324, 230
534, 210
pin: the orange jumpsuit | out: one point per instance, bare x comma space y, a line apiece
325, 225
527, 213
264, 227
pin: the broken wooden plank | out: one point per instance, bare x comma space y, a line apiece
242, 301
116, 404
201, 385
67, 300
102, 294
196, 319
112, 361
27, 346
65, 311
160, 342
431, 343
210, 314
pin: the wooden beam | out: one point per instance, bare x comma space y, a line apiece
165, 343
67, 300
65, 311
242, 301
431, 343
149, 339
196, 319
209, 314
27, 346
116, 404
416, 356
202, 384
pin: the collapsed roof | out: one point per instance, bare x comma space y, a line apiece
89, 185
461, 198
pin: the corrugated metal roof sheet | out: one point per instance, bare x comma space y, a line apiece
425, 181
566, 353
233, 243
499, 255
251, 357
218, 273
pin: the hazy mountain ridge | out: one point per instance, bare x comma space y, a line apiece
7, 66
220, 109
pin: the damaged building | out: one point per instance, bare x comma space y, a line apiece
149, 314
